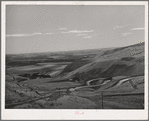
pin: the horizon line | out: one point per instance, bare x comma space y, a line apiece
72, 50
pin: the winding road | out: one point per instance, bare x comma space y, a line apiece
88, 83
129, 79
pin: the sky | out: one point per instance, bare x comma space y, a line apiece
48, 28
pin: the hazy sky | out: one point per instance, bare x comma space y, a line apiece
46, 28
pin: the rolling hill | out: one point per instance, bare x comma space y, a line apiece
125, 61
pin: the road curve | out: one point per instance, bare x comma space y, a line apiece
105, 82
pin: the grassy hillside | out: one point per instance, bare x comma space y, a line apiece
136, 50
125, 61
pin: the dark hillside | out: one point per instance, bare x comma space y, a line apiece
113, 68
74, 66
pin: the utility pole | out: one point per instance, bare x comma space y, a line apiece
102, 99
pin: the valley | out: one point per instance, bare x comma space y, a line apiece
110, 78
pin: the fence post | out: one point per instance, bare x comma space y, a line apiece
59, 92
102, 99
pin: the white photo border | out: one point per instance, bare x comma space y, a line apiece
56, 114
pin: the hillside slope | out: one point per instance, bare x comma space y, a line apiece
125, 61
136, 50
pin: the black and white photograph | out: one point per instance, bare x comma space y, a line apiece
78, 56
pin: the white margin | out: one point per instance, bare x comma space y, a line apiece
47, 114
